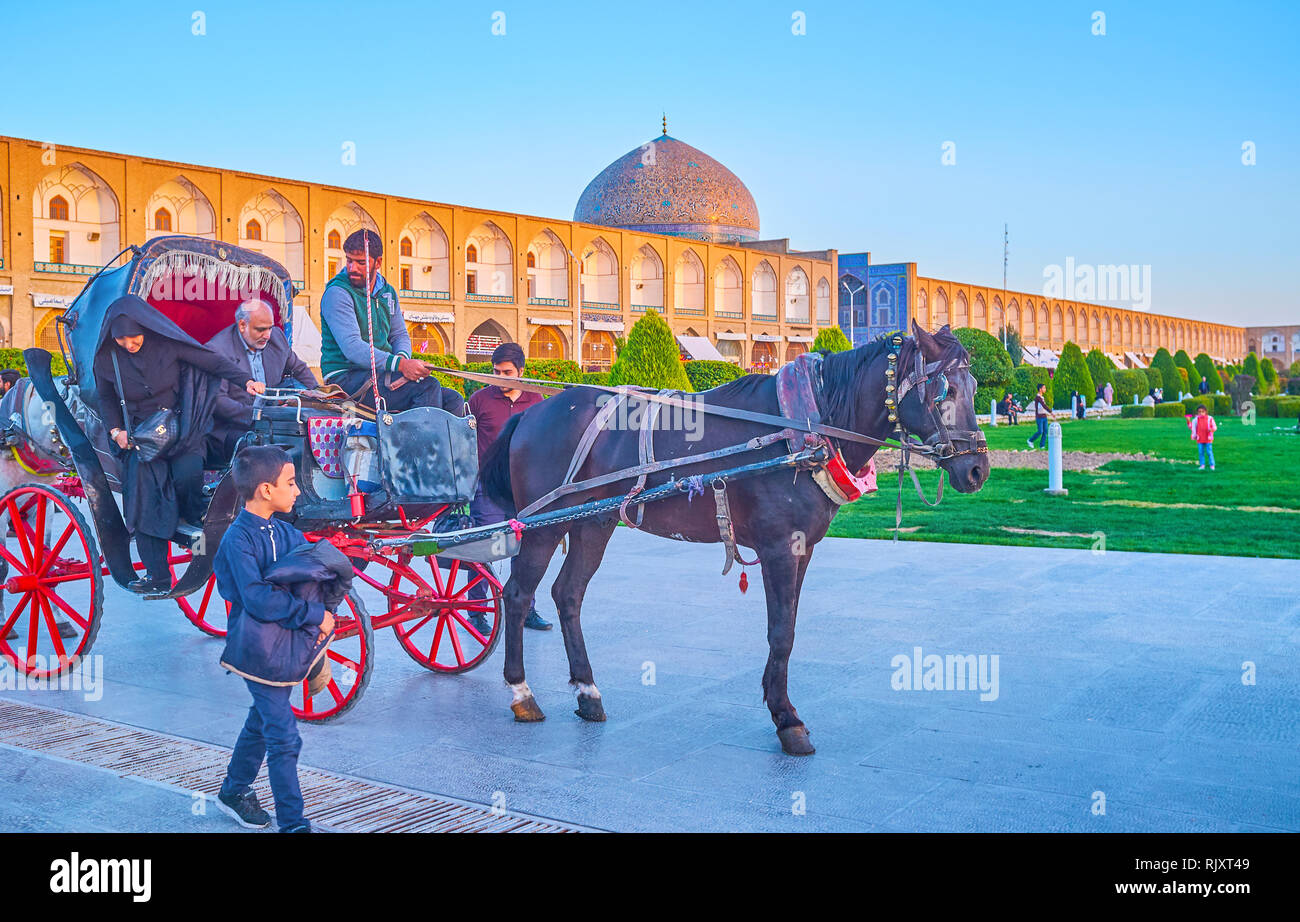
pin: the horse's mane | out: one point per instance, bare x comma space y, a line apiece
840, 371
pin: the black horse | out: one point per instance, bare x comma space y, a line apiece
782, 520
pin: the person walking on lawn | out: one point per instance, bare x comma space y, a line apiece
1040, 417
1203, 426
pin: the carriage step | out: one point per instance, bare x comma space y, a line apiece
188, 536
334, 802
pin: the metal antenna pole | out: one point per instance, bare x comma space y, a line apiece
1005, 241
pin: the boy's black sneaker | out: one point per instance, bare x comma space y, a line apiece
299, 827
245, 810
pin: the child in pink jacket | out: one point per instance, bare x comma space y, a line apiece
1203, 426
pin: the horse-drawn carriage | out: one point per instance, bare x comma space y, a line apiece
363, 476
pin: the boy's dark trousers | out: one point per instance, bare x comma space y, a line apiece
271, 732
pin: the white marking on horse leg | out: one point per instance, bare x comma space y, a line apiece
589, 691
521, 692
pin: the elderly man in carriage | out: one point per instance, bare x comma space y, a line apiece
351, 323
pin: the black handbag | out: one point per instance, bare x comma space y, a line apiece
156, 433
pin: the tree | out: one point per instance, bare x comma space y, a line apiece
832, 339
1072, 375
1163, 362
1015, 348
1024, 384
1130, 382
1205, 365
989, 365
651, 357
1101, 368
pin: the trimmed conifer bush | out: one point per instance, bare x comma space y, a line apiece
1205, 365
831, 339
1251, 367
1169, 377
1140, 411
707, 373
1169, 409
651, 357
1102, 370
1184, 361
1072, 375
1269, 373
1154, 378
1222, 404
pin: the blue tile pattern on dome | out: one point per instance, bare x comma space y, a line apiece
680, 191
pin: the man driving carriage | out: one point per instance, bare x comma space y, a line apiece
260, 348
347, 324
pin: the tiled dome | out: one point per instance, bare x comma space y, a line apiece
668, 187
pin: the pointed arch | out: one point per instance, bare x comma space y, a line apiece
688, 283
796, 296
279, 229
599, 279
424, 257
762, 294
187, 209
489, 274
823, 302
546, 263
75, 218
728, 289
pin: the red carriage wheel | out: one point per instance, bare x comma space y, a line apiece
52, 580
436, 627
351, 656
205, 608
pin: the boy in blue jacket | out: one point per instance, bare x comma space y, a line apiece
267, 483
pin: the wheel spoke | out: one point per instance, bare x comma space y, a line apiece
67, 609
53, 631
13, 561
334, 691
54, 551
437, 638
344, 661
306, 698
18, 610
467, 626
455, 640
20, 529
38, 538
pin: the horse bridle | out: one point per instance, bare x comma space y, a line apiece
942, 444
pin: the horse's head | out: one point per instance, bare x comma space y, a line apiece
936, 404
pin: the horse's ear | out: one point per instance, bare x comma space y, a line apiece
929, 346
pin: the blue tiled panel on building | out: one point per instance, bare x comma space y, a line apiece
889, 299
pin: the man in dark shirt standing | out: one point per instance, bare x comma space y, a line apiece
492, 406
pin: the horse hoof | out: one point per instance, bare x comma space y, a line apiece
527, 711
590, 709
795, 741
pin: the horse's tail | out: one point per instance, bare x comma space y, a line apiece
495, 470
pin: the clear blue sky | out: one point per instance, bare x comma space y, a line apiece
1122, 148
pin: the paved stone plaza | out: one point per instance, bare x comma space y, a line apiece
1118, 673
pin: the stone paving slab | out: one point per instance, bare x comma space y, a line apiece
1119, 673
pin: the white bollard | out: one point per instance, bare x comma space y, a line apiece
993, 412
1054, 485
1135, 400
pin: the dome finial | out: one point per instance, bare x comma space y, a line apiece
665, 124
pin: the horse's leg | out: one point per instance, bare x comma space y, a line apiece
526, 571
783, 574
587, 543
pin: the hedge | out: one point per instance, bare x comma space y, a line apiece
651, 357
445, 361
1222, 404
595, 377
707, 373
1169, 409
1191, 403
13, 358
1288, 407
1130, 383
1140, 411
546, 369
831, 339
1072, 375
1265, 406
1205, 365
1293, 386
1025, 381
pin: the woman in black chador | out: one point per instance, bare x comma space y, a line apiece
161, 368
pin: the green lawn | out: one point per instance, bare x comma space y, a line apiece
1250, 506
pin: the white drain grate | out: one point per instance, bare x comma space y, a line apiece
334, 801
